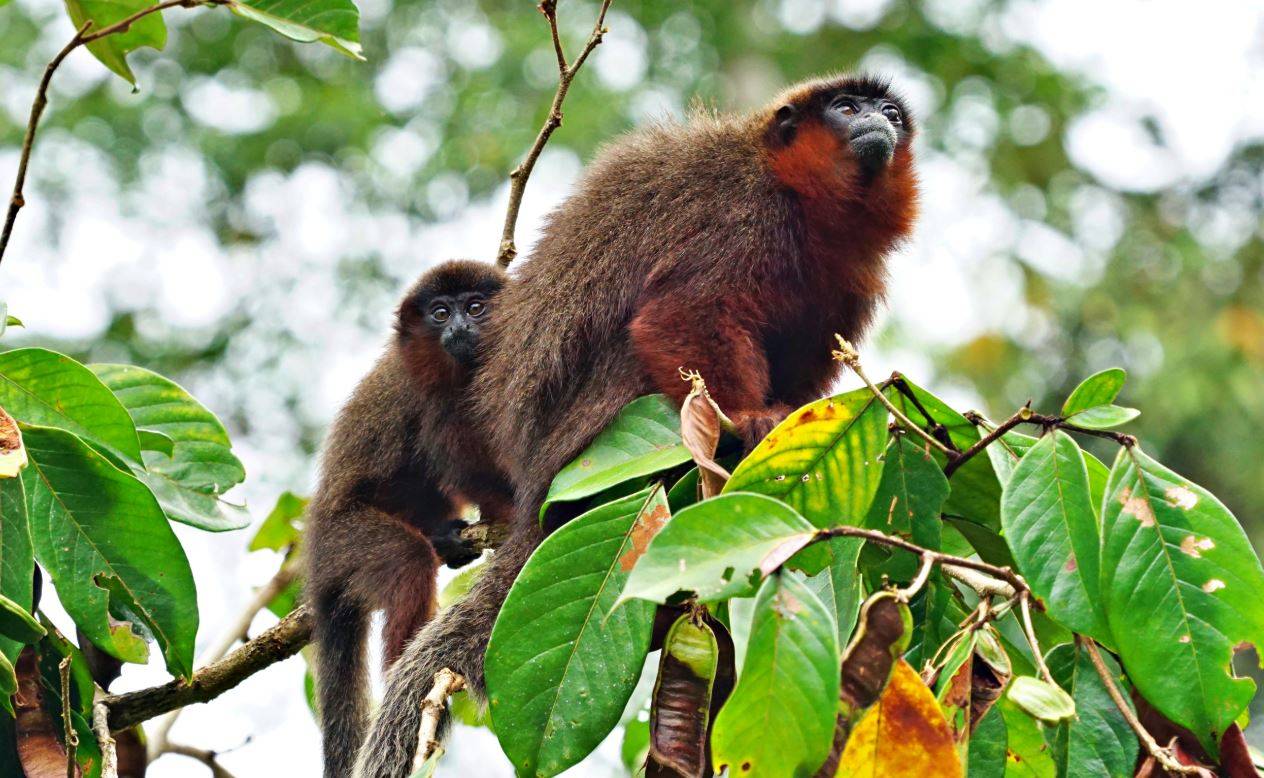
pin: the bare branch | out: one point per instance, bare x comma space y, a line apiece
446, 684
565, 75
1162, 755
81, 38
203, 755
67, 726
1021, 416
1024, 602
105, 741
280, 642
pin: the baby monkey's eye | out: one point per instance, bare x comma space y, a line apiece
848, 107
476, 308
440, 313
892, 113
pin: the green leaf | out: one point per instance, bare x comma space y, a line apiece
8, 684
1051, 528
838, 585
561, 665
43, 387
17, 560
112, 50
988, 744
1098, 389
109, 550
1182, 586
1041, 699
1098, 741
907, 503
779, 720
16, 622
336, 23
279, 529
643, 439
636, 745
6, 320
1027, 754
460, 585
152, 440
1102, 417
824, 460
716, 548
201, 466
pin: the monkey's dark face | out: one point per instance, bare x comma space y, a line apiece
871, 125
454, 321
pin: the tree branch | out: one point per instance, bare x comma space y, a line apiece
565, 75
81, 38
446, 684
105, 741
1025, 415
203, 755
280, 642
1162, 755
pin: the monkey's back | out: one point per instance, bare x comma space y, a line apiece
645, 210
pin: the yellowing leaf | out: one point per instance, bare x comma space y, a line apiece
904, 734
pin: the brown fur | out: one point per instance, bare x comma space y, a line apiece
729, 245
399, 463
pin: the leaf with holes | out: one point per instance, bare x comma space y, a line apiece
199, 465
717, 549
335, 23
904, 735
1181, 585
780, 719
119, 570
643, 439
112, 50
1098, 741
561, 665
43, 387
1052, 530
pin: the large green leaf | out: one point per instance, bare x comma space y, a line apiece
909, 497
988, 746
112, 50
17, 561
113, 557
200, 465
336, 23
1098, 741
643, 439
1104, 417
1027, 754
780, 719
824, 460
43, 387
1182, 589
560, 664
838, 585
1051, 528
716, 548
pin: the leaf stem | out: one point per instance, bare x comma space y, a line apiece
1162, 755
68, 726
1024, 603
847, 354
938, 430
565, 75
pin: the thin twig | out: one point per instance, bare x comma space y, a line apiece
923, 573
1162, 755
446, 684
203, 755
938, 557
67, 724
565, 75
238, 632
1021, 416
280, 642
105, 741
984, 585
938, 430
1024, 603
81, 38
847, 354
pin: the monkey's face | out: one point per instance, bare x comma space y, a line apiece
871, 126
454, 321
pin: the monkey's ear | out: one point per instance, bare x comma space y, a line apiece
786, 121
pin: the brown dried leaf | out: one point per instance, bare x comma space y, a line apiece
40, 750
701, 422
883, 631
681, 706
903, 735
12, 451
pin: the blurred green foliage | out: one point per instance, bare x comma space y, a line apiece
1169, 292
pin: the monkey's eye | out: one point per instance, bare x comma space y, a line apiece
476, 308
892, 113
848, 107
440, 313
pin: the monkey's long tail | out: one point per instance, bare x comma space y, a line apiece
342, 682
457, 640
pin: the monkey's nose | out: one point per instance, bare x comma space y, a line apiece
872, 140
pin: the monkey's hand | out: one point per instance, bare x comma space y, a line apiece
754, 426
454, 549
